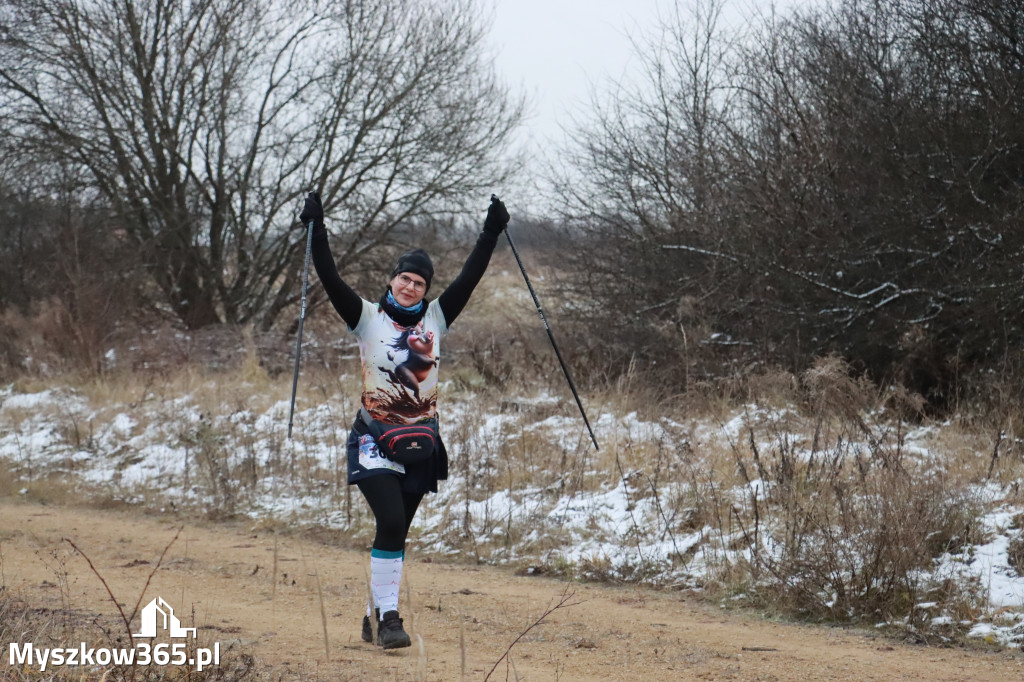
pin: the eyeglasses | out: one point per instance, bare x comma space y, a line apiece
407, 281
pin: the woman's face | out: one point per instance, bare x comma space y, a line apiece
408, 288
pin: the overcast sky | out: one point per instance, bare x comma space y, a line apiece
558, 51
554, 49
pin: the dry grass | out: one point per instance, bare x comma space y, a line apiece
797, 493
57, 626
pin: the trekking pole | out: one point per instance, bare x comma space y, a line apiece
551, 337
302, 319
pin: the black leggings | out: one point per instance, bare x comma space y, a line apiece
392, 509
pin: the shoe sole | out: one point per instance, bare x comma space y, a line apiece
400, 644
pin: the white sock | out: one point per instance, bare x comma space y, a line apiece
385, 580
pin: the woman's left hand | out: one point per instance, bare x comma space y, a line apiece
313, 210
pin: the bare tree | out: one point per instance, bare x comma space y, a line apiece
203, 123
880, 185
643, 186
850, 185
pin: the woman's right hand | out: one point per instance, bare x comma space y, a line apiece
497, 217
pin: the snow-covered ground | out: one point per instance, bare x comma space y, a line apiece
557, 503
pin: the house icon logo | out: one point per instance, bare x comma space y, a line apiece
160, 610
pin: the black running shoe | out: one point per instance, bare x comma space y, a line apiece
391, 635
367, 630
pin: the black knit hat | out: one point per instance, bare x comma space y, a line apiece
417, 262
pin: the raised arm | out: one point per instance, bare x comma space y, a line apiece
453, 299
345, 301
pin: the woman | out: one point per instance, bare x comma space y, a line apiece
399, 340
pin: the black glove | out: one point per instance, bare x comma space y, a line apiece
313, 210
497, 217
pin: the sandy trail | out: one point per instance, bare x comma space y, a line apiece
222, 573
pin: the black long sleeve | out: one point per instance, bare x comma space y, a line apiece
455, 297
345, 301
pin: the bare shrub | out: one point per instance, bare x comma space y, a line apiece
1015, 552
205, 446
838, 522
58, 336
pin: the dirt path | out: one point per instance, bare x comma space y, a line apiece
608, 634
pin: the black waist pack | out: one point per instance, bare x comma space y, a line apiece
409, 444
